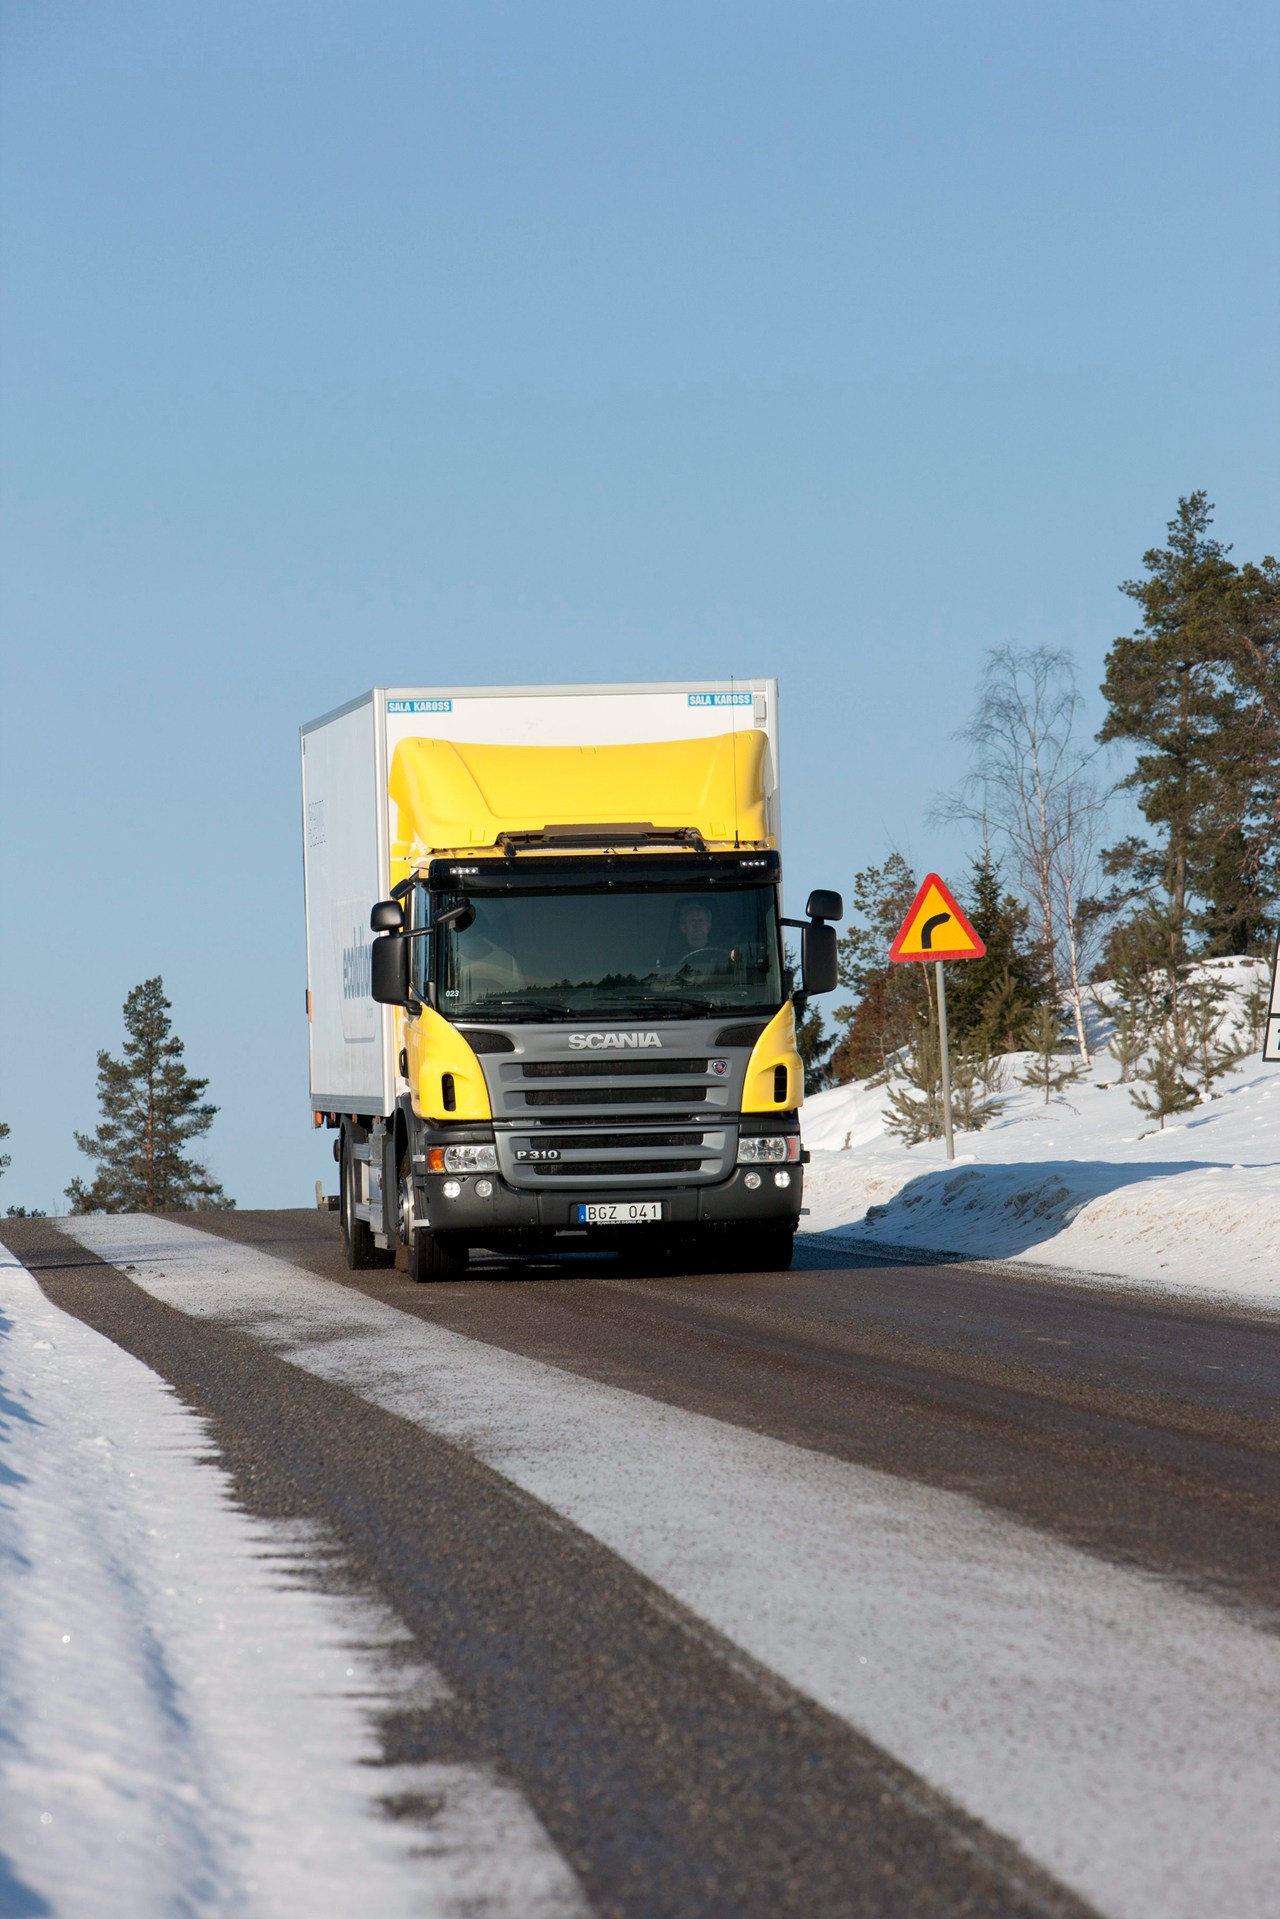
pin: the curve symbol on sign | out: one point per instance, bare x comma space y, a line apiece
929, 928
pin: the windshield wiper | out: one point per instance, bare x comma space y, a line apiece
519, 1006
677, 1004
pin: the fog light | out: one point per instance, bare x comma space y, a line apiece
484, 1187
779, 1179
751, 1181
451, 1188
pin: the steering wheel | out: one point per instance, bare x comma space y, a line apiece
704, 952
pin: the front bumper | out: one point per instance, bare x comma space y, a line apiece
729, 1201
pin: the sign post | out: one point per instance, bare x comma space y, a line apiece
946, 1059
936, 930
1271, 1043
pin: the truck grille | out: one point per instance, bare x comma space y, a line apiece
609, 1068
616, 1096
616, 1168
600, 1142
615, 1123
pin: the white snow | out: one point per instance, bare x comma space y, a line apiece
185, 1720
1087, 1182
1124, 1732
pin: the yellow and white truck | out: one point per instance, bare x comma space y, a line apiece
573, 1024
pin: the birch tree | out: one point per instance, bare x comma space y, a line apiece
1031, 786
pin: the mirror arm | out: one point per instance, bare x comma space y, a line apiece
449, 915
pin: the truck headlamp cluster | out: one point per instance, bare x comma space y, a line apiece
462, 1159
767, 1148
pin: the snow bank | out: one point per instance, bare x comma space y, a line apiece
185, 1721
1087, 1181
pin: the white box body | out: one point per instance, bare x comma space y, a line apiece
347, 826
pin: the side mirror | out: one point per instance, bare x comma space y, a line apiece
825, 905
387, 917
817, 958
389, 968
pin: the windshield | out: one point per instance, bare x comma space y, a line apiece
541, 955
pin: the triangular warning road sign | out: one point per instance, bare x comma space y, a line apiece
935, 928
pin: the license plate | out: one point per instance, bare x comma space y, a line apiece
618, 1213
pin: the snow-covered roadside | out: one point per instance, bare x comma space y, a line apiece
185, 1721
1086, 1182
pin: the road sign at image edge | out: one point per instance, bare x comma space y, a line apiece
935, 928
1271, 1039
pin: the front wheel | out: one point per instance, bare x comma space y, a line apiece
435, 1256
758, 1249
424, 1255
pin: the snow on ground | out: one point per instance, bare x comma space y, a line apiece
1087, 1181
186, 1722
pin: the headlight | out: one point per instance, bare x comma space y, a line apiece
766, 1147
469, 1159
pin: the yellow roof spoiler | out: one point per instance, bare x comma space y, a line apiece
455, 797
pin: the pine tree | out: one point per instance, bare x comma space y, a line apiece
888, 998
16, 1212
1130, 1038
1149, 962
150, 1108
977, 1077
1256, 1008
994, 999
914, 1109
1133, 997
1048, 1046
1152, 998
1197, 692
1169, 1091
814, 1045
1204, 1006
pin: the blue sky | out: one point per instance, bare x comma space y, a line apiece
472, 343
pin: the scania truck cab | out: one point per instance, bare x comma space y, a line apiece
582, 958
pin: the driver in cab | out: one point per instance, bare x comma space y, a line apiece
696, 946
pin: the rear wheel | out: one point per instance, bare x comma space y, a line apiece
357, 1238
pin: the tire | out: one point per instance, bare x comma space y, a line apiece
425, 1256
357, 1239
434, 1256
647, 1259
758, 1249
771, 1250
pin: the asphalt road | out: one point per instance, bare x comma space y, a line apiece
677, 1773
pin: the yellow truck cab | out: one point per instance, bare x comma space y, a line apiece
573, 1024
